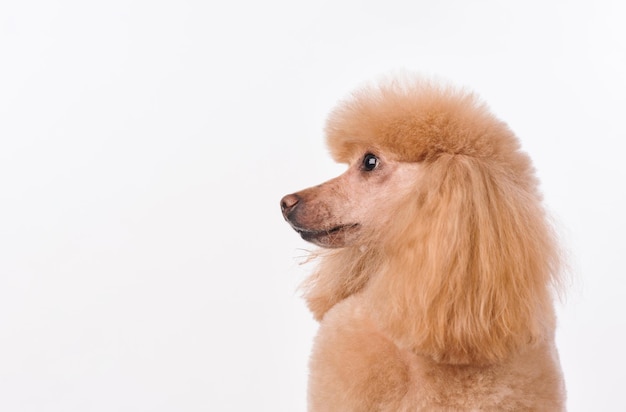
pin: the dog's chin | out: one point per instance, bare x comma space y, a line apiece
336, 237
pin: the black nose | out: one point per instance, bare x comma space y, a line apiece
287, 203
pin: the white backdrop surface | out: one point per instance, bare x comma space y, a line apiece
145, 145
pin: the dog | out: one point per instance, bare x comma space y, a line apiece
435, 282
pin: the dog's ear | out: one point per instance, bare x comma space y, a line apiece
470, 263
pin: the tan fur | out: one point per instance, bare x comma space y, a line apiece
436, 292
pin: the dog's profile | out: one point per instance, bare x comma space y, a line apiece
434, 288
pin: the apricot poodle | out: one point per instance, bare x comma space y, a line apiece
434, 290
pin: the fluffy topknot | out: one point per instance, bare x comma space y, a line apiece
416, 120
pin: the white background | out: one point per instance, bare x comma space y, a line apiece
144, 148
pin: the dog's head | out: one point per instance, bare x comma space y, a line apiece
439, 191
389, 136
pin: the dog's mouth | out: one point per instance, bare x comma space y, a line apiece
337, 236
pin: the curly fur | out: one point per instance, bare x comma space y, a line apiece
447, 304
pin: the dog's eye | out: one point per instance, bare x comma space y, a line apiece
369, 162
